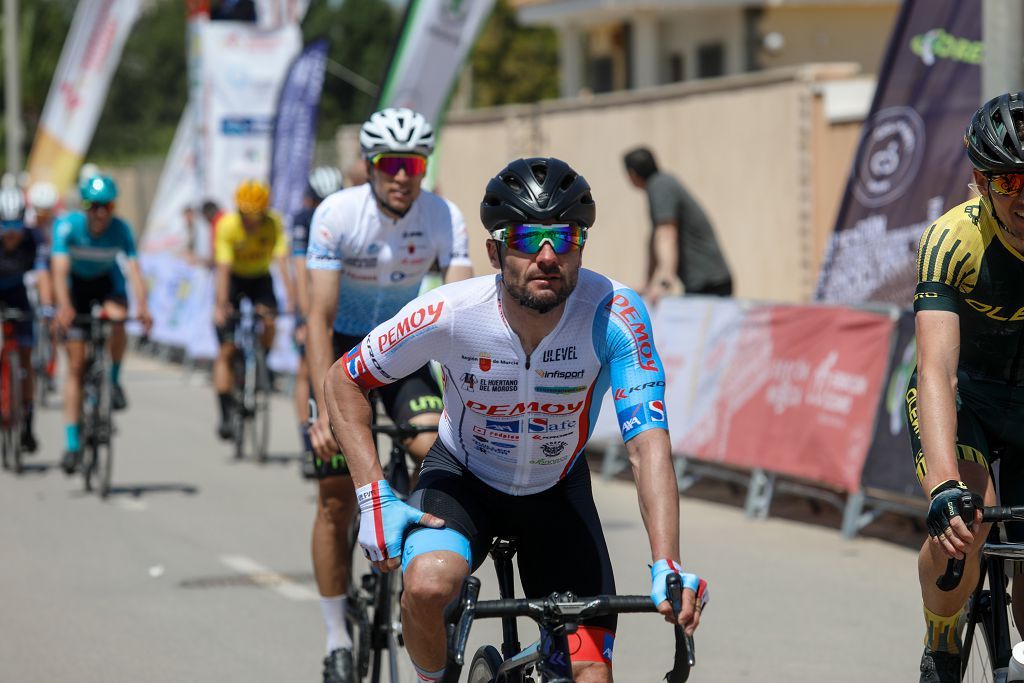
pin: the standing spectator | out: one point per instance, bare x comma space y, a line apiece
682, 245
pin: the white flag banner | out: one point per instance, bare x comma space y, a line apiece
435, 39
271, 14
87, 63
240, 72
165, 226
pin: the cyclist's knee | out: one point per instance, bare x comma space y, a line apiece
336, 503
591, 672
433, 581
225, 351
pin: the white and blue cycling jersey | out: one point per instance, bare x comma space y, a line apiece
519, 422
382, 260
92, 255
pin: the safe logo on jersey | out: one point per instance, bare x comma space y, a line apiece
650, 412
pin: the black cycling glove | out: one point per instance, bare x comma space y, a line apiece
948, 501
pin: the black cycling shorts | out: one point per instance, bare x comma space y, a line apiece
259, 290
561, 546
989, 428
413, 395
87, 292
16, 299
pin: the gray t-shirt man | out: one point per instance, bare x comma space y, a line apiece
701, 266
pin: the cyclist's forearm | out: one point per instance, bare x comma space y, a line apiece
221, 285
936, 405
289, 283
138, 284
318, 353
301, 286
60, 267
44, 287
651, 458
350, 414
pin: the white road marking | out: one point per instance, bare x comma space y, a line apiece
132, 504
268, 578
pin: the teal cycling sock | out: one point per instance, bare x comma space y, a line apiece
115, 373
71, 432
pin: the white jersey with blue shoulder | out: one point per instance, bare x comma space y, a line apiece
382, 260
520, 422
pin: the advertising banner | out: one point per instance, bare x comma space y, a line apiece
890, 463
240, 73
910, 165
87, 63
295, 130
436, 37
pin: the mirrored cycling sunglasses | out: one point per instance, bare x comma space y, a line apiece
530, 238
1007, 184
11, 226
89, 206
412, 164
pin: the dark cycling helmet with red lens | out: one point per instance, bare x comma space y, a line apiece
992, 140
538, 190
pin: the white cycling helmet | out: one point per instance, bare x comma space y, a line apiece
396, 130
324, 180
43, 195
12, 204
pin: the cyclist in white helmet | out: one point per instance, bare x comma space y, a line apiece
43, 207
369, 249
323, 182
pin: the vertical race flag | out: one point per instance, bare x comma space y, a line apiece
910, 164
295, 129
436, 37
88, 59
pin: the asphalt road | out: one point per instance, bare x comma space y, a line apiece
197, 567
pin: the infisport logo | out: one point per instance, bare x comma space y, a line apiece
515, 409
415, 321
622, 308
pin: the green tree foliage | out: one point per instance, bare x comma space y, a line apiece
149, 89
512, 63
362, 33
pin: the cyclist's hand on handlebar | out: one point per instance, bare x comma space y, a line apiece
383, 521
65, 317
947, 527
695, 594
145, 318
220, 314
320, 435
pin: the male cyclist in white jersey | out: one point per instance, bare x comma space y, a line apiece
369, 249
527, 357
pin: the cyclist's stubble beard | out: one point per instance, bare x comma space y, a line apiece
517, 284
381, 185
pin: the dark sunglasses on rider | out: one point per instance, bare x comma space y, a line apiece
1007, 184
412, 164
11, 226
530, 238
90, 206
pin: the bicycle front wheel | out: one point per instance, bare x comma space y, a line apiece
979, 650
259, 425
486, 663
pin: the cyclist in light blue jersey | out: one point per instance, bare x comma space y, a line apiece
86, 245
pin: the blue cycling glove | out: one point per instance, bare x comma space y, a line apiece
660, 572
383, 520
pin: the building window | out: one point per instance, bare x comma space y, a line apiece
676, 67
601, 74
710, 60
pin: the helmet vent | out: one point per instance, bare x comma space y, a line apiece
513, 183
567, 181
540, 172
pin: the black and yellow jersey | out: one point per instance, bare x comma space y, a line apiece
249, 253
965, 265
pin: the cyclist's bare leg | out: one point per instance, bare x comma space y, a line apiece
430, 583
335, 509
118, 338
223, 376
269, 328
931, 563
591, 672
75, 350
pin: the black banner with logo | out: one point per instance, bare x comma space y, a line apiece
910, 166
890, 462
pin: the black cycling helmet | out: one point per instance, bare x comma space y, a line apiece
538, 189
993, 145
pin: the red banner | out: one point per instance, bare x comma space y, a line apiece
798, 395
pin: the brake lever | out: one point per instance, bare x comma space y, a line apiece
684, 658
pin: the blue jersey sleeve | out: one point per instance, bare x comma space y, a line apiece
127, 238
637, 377
62, 228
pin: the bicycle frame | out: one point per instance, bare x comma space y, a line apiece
990, 607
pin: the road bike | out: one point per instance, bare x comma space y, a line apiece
374, 601
251, 416
97, 425
987, 637
12, 416
548, 659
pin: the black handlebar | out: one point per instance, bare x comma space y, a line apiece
557, 609
402, 431
998, 513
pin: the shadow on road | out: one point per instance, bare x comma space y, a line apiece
139, 490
